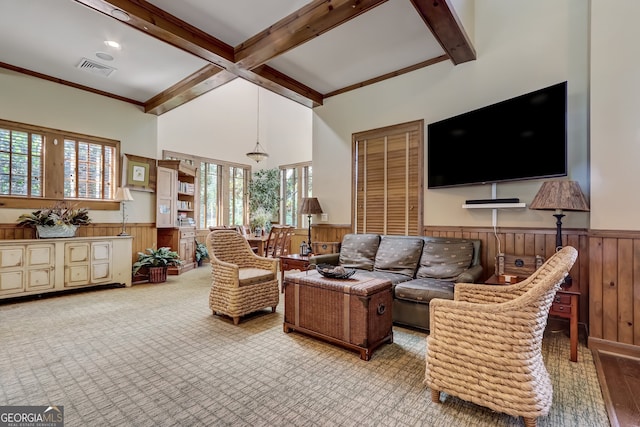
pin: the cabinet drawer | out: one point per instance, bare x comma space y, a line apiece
321, 248
562, 299
187, 234
560, 309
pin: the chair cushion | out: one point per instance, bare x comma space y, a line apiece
399, 254
359, 250
424, 290
445, 260
250, 276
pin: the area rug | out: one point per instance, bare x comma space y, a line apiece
154, 355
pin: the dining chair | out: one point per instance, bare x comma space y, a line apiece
278, 241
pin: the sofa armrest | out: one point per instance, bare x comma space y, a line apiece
471, 275
333, 259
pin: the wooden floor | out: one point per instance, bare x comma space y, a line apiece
619, 375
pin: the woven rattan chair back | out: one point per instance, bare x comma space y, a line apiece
485, 344
242, 282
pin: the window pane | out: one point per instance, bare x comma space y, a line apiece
109, 174
291, 197
20, 163
209, 195
296, 184
19, 142
70, 170
309, 180
236, 196
36, 165
5, 138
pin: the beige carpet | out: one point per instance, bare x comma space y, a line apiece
153, 355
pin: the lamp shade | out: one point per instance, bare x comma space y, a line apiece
560, 195
258, 154
310, 206
123, 195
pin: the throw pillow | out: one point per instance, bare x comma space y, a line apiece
445, 260
359, 250
399, 254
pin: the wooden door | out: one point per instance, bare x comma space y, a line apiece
388, 178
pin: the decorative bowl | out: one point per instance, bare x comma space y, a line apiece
334, 271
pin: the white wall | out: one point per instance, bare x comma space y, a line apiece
39, 102
222, 125
521, 47
615, 105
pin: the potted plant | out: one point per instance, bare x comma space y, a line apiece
60, 220
260, 218
201, 252
156, 261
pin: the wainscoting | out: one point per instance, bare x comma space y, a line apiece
607, 272
144, 235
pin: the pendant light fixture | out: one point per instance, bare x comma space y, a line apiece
258, 154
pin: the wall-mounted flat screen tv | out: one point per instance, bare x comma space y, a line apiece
521, 138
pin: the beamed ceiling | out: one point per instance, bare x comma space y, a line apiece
173, 51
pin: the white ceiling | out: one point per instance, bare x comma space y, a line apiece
51, 38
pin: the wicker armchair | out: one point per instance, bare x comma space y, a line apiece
242, 281
485, 345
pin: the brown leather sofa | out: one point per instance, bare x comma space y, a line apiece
420, 268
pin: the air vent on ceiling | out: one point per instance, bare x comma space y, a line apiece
95, 67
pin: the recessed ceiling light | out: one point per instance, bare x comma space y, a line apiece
112, 44
120, 14
104, 56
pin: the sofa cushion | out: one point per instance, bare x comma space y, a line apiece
424, 290
399, 254
394, 278
445, 260
359, 250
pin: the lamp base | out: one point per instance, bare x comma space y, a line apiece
124, 233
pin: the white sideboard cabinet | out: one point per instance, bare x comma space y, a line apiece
30, 267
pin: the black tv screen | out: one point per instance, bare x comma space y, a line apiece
521, 138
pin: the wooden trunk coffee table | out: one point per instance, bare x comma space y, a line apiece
354, 313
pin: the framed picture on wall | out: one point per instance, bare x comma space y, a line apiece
138, 173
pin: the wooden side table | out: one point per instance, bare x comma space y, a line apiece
564, 305
292, 262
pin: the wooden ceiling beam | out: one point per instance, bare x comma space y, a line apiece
446, 28
299, 27
170, 29
248, 60
199, 83
167, 28
275, 81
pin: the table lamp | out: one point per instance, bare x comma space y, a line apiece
310, 206
560, 196
123, 195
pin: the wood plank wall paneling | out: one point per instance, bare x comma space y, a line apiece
144, 235
607, 272
510, 241
614, 286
